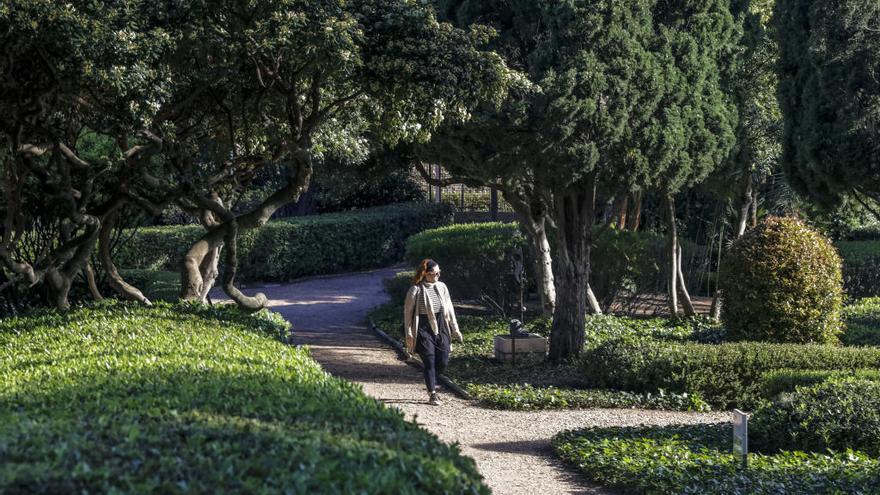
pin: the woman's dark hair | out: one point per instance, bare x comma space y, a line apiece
425, 266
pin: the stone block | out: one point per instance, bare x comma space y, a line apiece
533, 347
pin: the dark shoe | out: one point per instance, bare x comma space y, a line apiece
434, 400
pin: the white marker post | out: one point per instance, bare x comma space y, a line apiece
741, 436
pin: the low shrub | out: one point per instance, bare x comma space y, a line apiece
862, 320
861, 267
777, 382
697, 459
477, 259
527, 397
833, 415
782, 282
157, 285
624, 264
723, 375
297, 247
398, 285
120, 398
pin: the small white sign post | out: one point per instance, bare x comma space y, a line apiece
741, 436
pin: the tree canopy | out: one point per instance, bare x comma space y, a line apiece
829, 93
187, 102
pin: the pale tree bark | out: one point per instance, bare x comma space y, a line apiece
671, 250
192, 281
533, 218
248, 303
114, 279
92, 283
682, 286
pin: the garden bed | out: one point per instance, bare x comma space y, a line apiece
188, 398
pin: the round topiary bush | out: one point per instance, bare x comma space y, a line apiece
782, 282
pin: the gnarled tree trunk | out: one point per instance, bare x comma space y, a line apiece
117, 283
573, 213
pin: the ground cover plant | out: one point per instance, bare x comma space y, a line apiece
697, 459
541, 385
188, 398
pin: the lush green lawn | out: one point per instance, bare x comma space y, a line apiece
185, 398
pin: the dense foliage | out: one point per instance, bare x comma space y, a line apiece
137, 104
121, 398
723, 375
782, 283
697, 460
834, 415
782, 381
300, 246
861, 267
478, 260
829, 94
862, 322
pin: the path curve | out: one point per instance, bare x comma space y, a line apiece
511, 448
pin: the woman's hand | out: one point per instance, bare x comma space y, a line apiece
410, 344
459, 336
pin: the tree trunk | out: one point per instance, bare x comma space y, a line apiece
671, 245
93, 284
634, 216
533, 219
618, 215
117, 283
247, 303
192, 281
574, 212
592, 302
745, 203
682, 286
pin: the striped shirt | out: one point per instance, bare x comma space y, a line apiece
433, 295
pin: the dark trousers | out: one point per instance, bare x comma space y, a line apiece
434, 350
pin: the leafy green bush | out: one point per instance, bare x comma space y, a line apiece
861, 267
777, 382
862, 320
782, 282
624, 264
697, 459
527, 397
157, 285
398, 285
833, 415
723, 375
125, 399
476, 259
300, 246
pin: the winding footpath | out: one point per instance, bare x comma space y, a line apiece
512, 449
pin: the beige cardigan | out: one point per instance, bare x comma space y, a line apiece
411, 317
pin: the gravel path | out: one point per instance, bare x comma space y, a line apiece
512, 449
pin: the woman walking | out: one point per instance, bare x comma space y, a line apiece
429, 323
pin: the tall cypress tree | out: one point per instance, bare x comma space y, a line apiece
829, 93
619, 95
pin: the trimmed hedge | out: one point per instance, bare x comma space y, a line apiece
476, 258
862, 321
861, 267
724, 375
296, 247
833, 415
172, 399
777, 382
697, 460
782, 282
